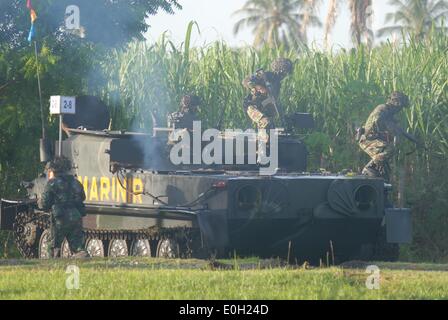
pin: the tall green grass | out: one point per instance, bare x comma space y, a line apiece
340, 89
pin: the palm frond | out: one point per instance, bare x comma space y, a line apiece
415, 16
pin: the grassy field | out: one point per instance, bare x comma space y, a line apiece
195, 279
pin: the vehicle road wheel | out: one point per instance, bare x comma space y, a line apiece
27, 234
141, 248
118, 248
168, 248
95, 248
65, 250
44, 245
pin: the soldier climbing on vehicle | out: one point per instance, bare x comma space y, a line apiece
378, 135
262, 104
187, 114
64, 197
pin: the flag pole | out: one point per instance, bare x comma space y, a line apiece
44, 145
40, 91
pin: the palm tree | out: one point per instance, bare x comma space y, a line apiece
310, 10
416, 17
276, 22
361, 14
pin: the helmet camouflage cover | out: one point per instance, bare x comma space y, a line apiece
59, 165
398, 99
282, 66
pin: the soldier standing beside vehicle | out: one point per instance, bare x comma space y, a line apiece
64, 197
262, 104
377, 136
187, 114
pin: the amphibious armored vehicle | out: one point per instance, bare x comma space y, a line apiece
141, 203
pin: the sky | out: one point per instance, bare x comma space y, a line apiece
215, 21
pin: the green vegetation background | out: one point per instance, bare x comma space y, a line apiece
339, 89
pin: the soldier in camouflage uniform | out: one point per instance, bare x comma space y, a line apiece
379, 132
64, 197
262, 104
187, 114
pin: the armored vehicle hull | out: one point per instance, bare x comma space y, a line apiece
140, 203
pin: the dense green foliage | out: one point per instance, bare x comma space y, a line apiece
340, 89
137, 278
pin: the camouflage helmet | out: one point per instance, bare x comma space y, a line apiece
282, 67
59, 165
398, 99
190, 102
